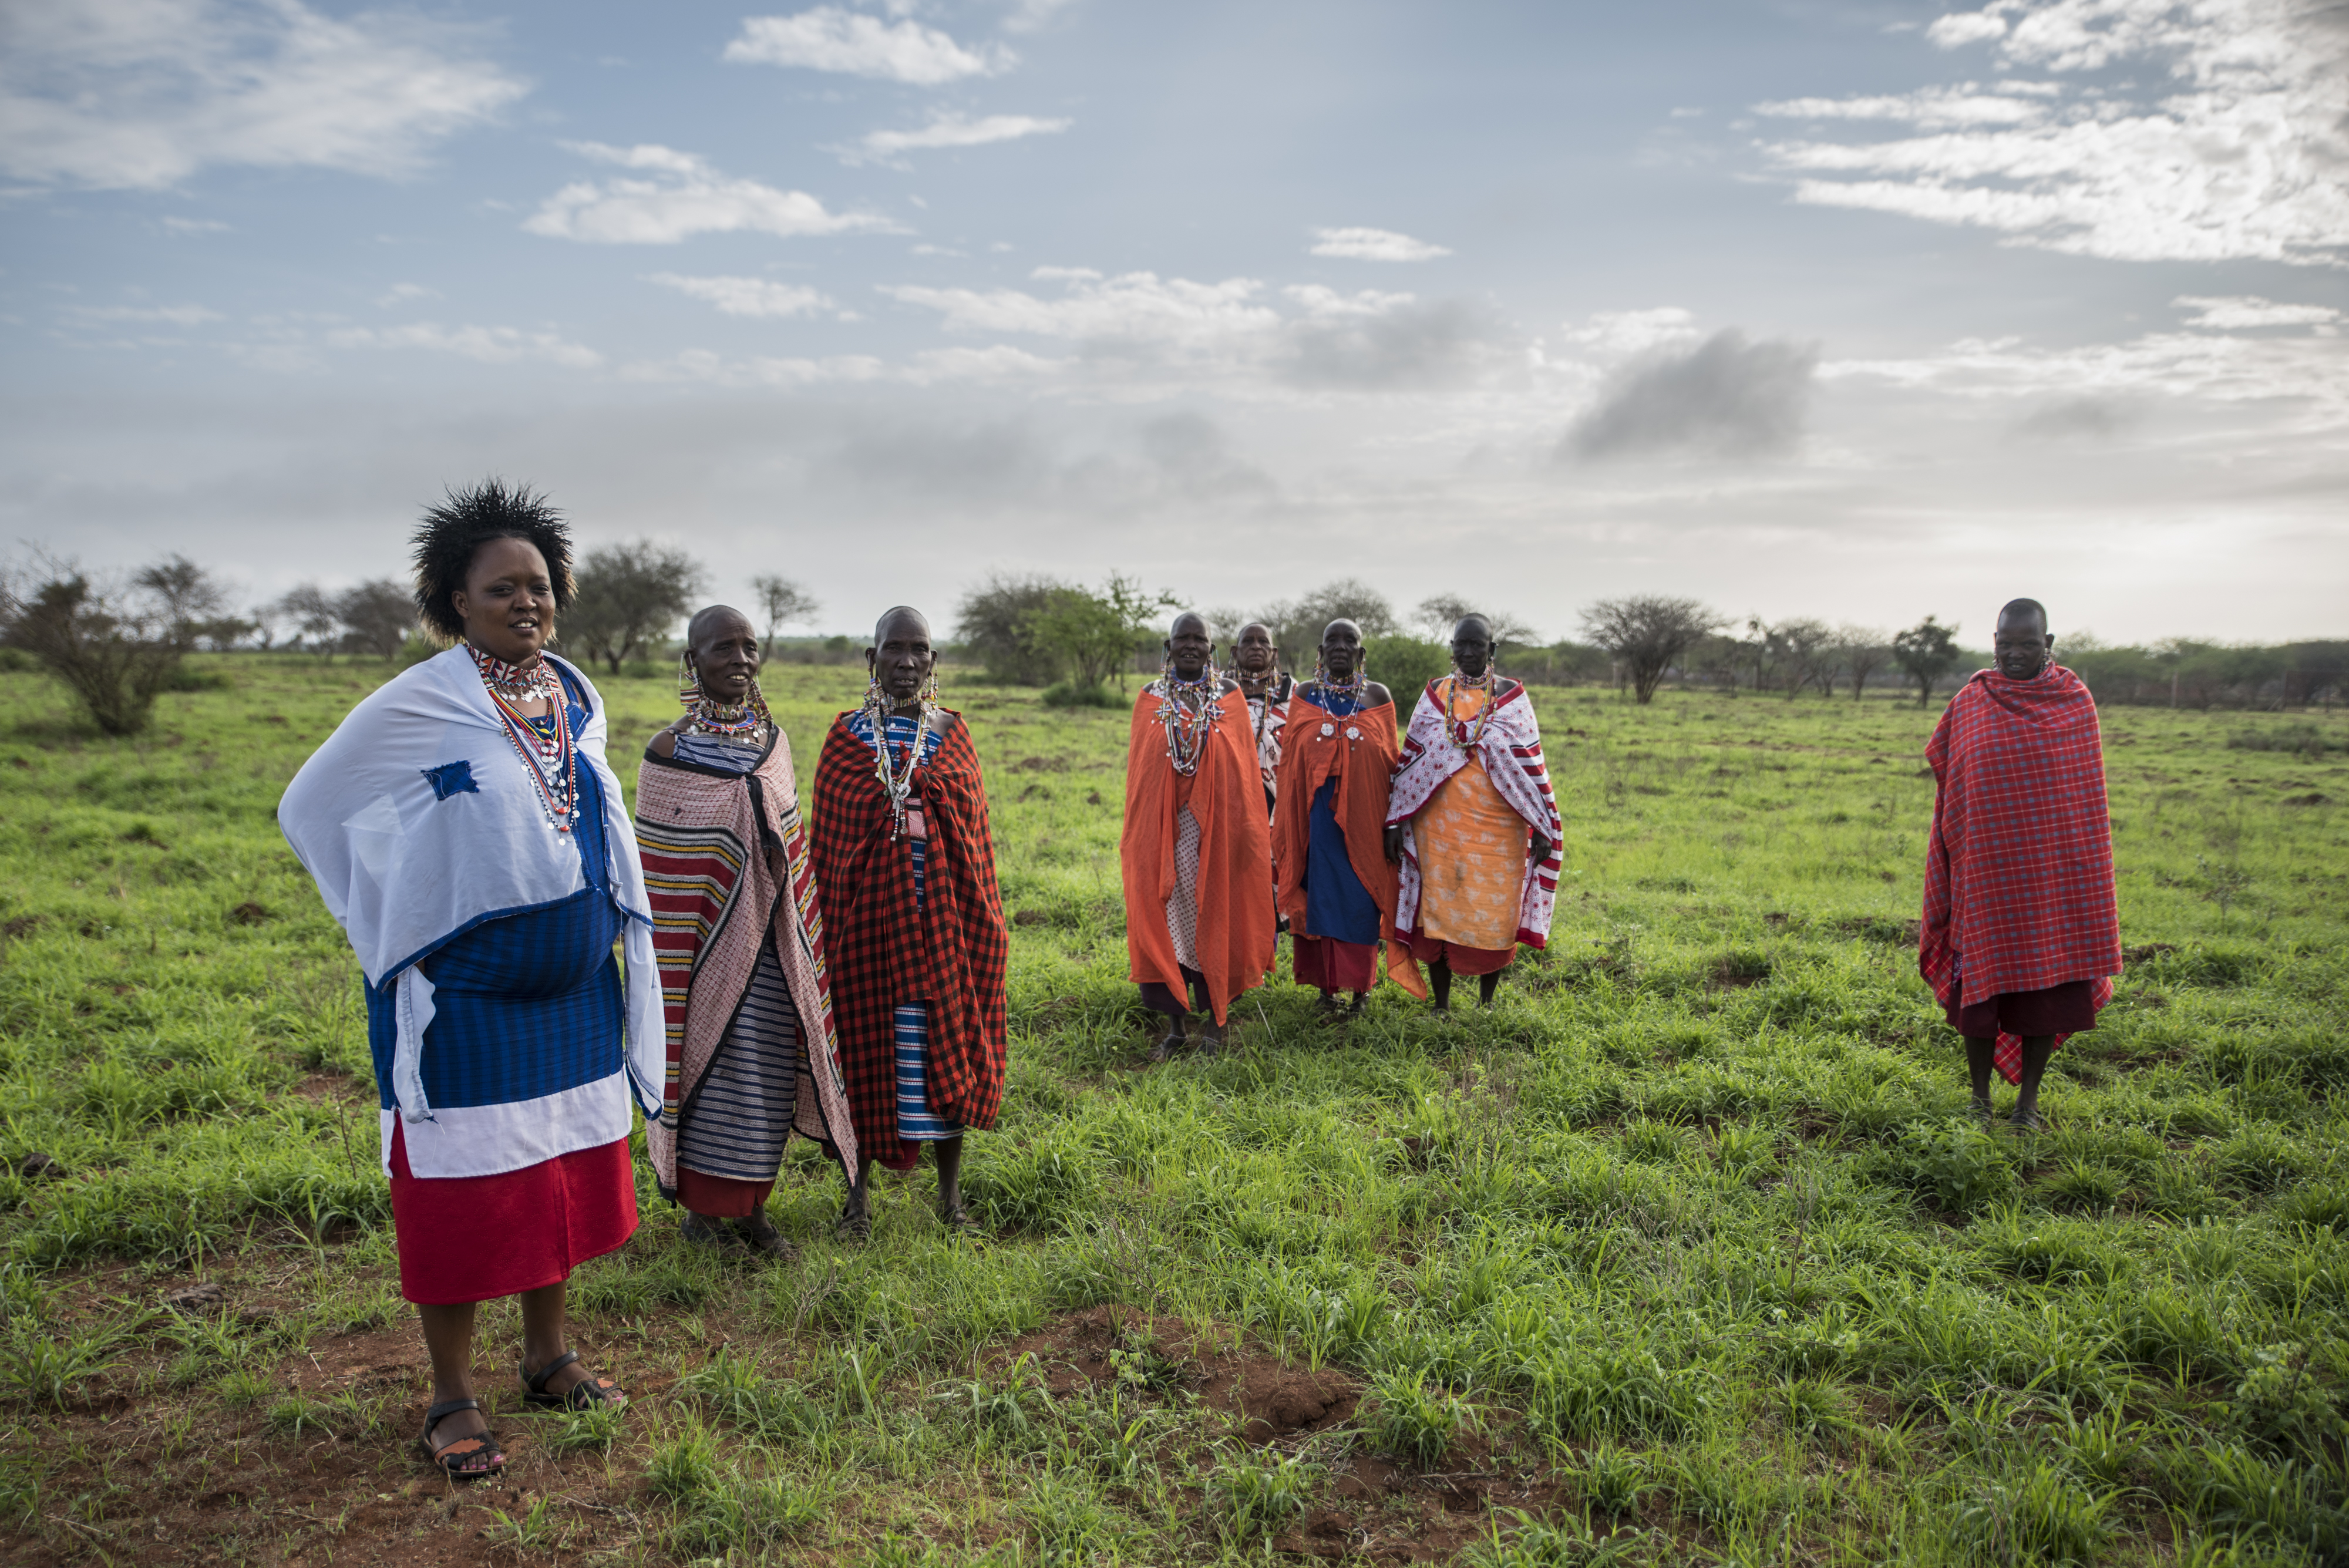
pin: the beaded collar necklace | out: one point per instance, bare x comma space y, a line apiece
1188, 728
736, 720
1462, 736
1264, 702
1350, 689
549, 755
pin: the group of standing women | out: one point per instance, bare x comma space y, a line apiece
1418, 854
465, 828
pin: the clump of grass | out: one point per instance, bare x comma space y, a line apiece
685, 1468
739, 1513
1254, 1494
1957, 1164
1565, 1543
1414, 1422
42, 1369
1610, 1480
2041, 1514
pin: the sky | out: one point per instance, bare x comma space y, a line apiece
1858, 310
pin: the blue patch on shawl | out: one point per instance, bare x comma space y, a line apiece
451, 778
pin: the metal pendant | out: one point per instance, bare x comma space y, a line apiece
1329, 728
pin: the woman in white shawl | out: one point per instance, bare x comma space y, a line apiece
463, 827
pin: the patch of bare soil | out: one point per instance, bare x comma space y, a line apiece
1373, 1508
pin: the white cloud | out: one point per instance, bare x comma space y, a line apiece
140, 94
174, 315
1618, 334
687, 197
1373, 244
401, 293
488, 345
194, 226
2242, 158
829, 38
2234, 312
1133, 308
951, 130
752, 296
2208, 368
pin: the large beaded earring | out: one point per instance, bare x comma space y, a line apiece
689, 682
929, 692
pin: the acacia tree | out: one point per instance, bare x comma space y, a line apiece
628, 597
1089, 634
783, 601
114, 648
1927, 651
1647, 632
1439, 614
311, 613
1803, 647
378, 615
992, 623
1298, 624
1862, 651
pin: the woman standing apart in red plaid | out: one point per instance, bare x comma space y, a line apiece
914, 924
2021, 936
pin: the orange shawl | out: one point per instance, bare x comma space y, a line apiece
1361, 750
1226, 798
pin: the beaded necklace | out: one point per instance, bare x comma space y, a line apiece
548, 755
1350, 691
1187, 728
1263, 705
1460, 734
898, 787
738, 721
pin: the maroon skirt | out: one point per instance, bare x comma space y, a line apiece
476, 1238
2066, 1009
1331, 964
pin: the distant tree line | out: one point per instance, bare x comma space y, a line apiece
115, 641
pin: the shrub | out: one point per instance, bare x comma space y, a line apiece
1069, 694
1957, 1164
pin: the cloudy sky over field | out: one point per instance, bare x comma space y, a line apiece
1858, 308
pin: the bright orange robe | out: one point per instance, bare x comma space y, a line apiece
1225, 798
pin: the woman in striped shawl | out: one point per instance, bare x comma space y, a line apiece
741, 945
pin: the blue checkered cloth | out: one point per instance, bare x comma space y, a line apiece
524, 1005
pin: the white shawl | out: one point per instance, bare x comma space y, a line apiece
409, 856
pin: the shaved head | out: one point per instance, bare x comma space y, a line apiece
897, 615
709, 620
2015, 612
1475, 626
1192, 618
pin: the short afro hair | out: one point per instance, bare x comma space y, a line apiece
451, 532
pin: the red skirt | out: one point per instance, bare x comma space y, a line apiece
476, 1238
1463, 960
720, 1197
1334, 965
2066, 1009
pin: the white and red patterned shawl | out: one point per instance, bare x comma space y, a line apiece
726, 867
2019, 871
1511, 750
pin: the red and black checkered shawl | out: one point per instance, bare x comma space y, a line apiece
951, 952
2019, 872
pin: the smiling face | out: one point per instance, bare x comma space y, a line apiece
1254, 652
901, 657
1472, 646
1342, 649
508, 601
2022, 644
724, 652
1188, 646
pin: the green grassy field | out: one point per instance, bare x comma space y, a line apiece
1684, 1253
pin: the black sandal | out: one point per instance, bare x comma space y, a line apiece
852, 1226
461, 1458
958, 1220
585, 1395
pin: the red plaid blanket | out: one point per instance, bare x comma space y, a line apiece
2019, 872
951, 952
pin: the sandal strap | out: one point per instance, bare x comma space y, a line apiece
434, 1414
536, 1382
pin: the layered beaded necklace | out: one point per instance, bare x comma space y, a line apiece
548, 755
734, 721
898, 786
1350, 691
739, 721
1462, 736
1188, 728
